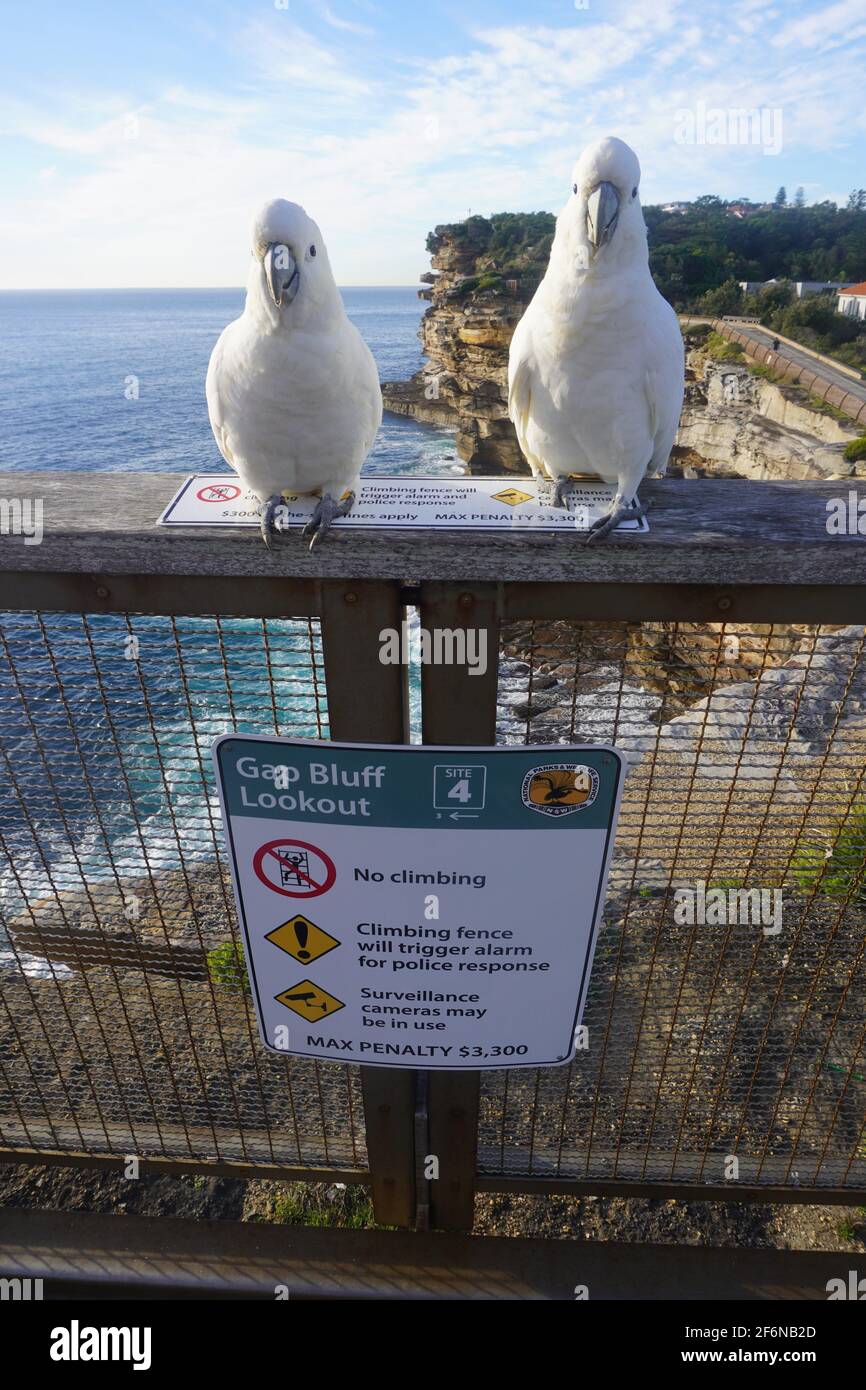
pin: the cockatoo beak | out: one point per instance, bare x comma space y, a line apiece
602, 211
282, 273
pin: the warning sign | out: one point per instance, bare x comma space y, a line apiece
302, 938
294, 868
412, 503
309, 1001
451, 896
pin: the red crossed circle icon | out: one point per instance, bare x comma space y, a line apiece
218, 492
294, 868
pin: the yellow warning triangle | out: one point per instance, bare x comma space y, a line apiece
302, 938
309, 1001
513, 496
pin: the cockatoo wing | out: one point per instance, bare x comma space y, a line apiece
522, 367
214, 400
664, 382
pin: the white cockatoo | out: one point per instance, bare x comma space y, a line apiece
596, 370
292, 389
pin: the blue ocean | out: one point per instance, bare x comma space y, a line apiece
114, 379
104, 760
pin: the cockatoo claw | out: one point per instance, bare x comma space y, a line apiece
620, 512
268, 522
564, 485
326, 510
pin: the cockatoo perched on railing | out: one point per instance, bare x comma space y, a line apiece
596, 370
292, 389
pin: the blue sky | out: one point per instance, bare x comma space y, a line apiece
138, 139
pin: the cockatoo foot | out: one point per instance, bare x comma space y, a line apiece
268, 520
326, 509
564, 486
620, 512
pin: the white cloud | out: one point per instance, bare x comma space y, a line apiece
380, 156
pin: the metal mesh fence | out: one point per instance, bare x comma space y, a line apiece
726, 1012
125, 1021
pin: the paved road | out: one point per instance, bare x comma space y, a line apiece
764, 337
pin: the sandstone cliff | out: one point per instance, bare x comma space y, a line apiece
484, 273
742, 424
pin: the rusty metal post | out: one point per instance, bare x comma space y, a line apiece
366, 703
457, 708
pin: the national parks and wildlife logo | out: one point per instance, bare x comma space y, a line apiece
559, 788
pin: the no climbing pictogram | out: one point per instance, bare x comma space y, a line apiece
218, 492
294, 868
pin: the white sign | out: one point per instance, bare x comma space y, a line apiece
419, 907
408, 503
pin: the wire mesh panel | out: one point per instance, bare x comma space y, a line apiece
726, 1028
126, 1024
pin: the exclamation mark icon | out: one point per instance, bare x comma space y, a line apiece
301, 934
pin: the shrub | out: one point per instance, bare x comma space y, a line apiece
855, 450
837, 870
721, 349
226, 966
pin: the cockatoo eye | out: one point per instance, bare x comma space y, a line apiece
634, 193
312, 250
574, 187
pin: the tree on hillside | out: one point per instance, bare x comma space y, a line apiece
800, 198
781, 198
726, 298
857, 200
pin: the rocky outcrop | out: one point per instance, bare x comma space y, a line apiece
485, 271
742, 424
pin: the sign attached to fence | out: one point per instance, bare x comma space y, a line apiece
409, 503
409, 906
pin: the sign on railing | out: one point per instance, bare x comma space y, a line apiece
407, 906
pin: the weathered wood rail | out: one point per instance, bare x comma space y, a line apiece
757, 544
718, 550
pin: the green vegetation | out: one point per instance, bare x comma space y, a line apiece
723, 351
804, 397
226, 966
508, 245
318, 1204
695, 333
856, 450
836, 869
698, 251
490, 280
768, 374
698, 257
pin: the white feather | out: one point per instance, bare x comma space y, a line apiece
293, 393
596, 368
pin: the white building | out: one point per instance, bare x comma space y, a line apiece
801, 288
852, 301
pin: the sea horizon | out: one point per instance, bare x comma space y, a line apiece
113, 379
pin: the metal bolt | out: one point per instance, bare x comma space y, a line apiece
101, 591
350, 597
466, 600
724, 602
